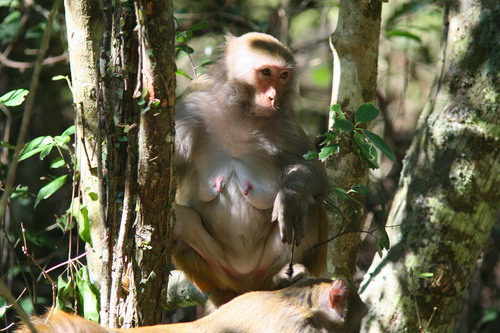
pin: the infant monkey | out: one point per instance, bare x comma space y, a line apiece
310, 306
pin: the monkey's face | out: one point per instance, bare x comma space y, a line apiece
271, 82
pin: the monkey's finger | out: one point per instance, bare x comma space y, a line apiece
300, 228
290, 224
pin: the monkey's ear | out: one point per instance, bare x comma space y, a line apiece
333, 302
338, 297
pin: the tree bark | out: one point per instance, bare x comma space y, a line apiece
355, 50
123, 73
448, 195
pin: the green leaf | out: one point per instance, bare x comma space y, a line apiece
93, 196
366, 113
311, 155
66, 295
383, 242
199, 26
336, 111
46, 150
339, 193
7, 145
326, 151
404, 34
329, 136
381, 144
21, 192
207, 63
185, 48
3, 306
84, 225
425, 275
183, 36
35, 146
342, 124
14, 97
88, 294
58, 78
181, 72
50, 189
69, 131
367, 150
361, 189
58, 162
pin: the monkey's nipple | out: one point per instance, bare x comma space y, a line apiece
247, 186
218, 183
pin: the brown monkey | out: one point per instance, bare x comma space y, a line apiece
245, 192
310, 306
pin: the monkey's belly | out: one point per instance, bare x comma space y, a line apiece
249, 240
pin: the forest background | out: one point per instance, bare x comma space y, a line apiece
409, 47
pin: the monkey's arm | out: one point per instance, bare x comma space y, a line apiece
302, 184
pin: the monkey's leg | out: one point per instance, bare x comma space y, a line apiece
197, 253
189, 229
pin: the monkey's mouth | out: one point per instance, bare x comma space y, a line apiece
264, 111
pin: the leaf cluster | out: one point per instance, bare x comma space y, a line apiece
43, 146
364, 140
182, 38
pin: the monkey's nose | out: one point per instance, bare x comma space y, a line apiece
272, 96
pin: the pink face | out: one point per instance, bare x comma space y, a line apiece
270, 82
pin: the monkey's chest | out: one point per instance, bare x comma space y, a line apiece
249, 179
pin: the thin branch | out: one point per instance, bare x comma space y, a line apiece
4, 291
69, 261
26, 65
45, 274
28, 108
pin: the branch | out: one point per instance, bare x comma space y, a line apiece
25, 65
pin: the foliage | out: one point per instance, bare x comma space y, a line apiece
408, 52
364, 140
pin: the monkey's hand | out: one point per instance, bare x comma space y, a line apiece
290, 211
289, 275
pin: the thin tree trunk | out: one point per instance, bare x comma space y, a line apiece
122, 65
448, 195
355, 49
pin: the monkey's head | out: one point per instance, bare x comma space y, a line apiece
262, 62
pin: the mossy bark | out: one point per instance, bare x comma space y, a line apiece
448, 195
355, 48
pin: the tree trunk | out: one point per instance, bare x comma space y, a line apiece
123, 73
448, 195
355, 50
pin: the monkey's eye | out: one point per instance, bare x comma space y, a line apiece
265, 72
284, 75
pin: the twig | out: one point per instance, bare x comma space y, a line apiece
6, 133
77, 257
28, 108
26, 65
45, 274
10, 298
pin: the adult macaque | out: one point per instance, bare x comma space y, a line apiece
310, 306
245, 193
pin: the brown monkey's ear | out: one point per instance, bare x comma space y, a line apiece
338, 297
333, 303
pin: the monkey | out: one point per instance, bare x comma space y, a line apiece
245, 194
308, 306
